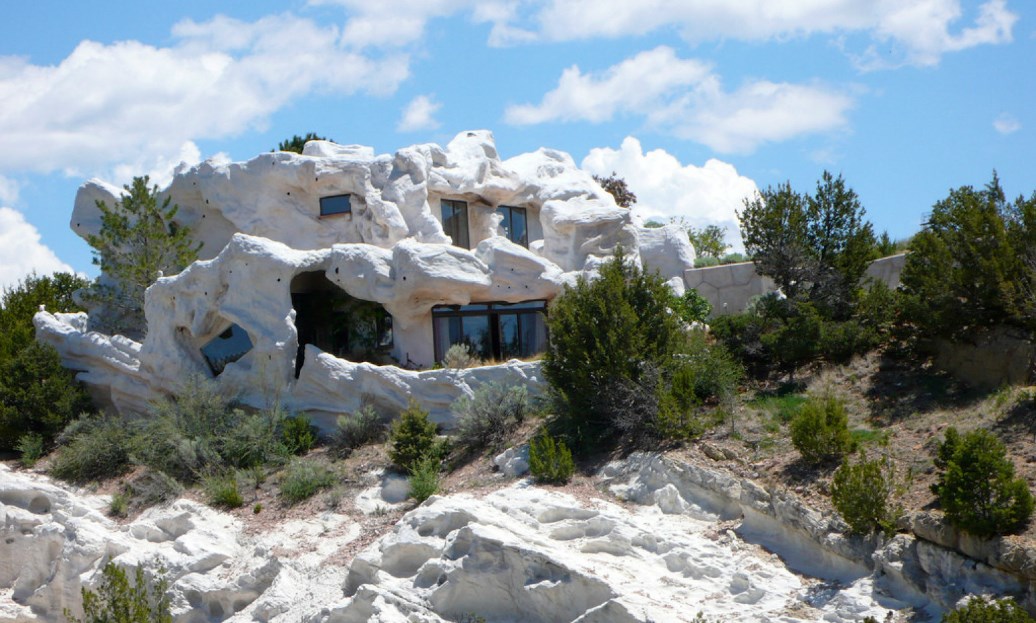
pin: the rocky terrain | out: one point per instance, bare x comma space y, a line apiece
648, 538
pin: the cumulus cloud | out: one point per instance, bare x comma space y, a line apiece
106, 105
920, 32
8, 191
685, 97
666, 188
1006, 124
419, 114
22, 252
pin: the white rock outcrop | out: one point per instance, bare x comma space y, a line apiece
388, 244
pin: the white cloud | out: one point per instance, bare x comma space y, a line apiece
8, 191
919, 31
21, 251
106, 105
419, 114
665, 188
1006, 124
684, 97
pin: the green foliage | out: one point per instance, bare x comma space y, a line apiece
972, 264
303, 478
412, 438
424, 479
30, 447
460, 356
359, 429
815, 247
298, 436
709, 241
982, 609
296, 142
977, 488
820, 430
616, 347
617, 188
692, 307
20, 302
99, 448
861, 493
201, 432
550, 460
138, 240
119, 504
886, 246
486, 419
222, 490
37, 395
117, 600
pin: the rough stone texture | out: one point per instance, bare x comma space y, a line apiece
260, 225
990, 358
731, 287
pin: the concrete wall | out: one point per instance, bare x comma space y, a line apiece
730, 287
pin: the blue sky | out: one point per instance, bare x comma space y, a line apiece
695, 102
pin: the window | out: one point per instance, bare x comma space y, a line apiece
455, 221
226, 348
514, 224
335, 204
492, 330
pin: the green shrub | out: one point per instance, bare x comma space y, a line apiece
487, 418
100, 449
117, 600
37, 395
820, 431
988, 610
359, 429
30, 445
221, 490
861, 494
254, 441
298, 436
424, 479
550, 460
977, 488
692, 307
152, 487
303, 478
460, 356
841, 341
412, 438
119, 504
616, 346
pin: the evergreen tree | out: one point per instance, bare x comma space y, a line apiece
296, 142
616, 187
138, 240
709, 241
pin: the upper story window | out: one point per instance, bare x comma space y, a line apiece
455, 221
335, 204
514, 224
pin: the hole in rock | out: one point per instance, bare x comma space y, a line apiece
338, 324
227, 347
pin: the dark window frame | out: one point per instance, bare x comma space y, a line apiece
509, 218
458, 211
492, 311
327, 211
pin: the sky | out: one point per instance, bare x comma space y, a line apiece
697, 104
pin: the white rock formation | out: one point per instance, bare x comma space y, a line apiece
266, 242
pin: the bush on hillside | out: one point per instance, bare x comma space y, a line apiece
298, 436
460, 356
412, 438
118, 600
424, 479
981, 609
550, 460
355, 430
486, 419
616, 346
303, 478
977, 488
820, 430
99, 448
861, 493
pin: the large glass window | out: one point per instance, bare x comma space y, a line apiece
455, 221
497, 331
335, 204
226, 348
513, 224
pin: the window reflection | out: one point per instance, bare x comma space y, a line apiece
514, 224
493, 331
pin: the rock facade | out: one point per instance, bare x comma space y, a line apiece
308, 260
